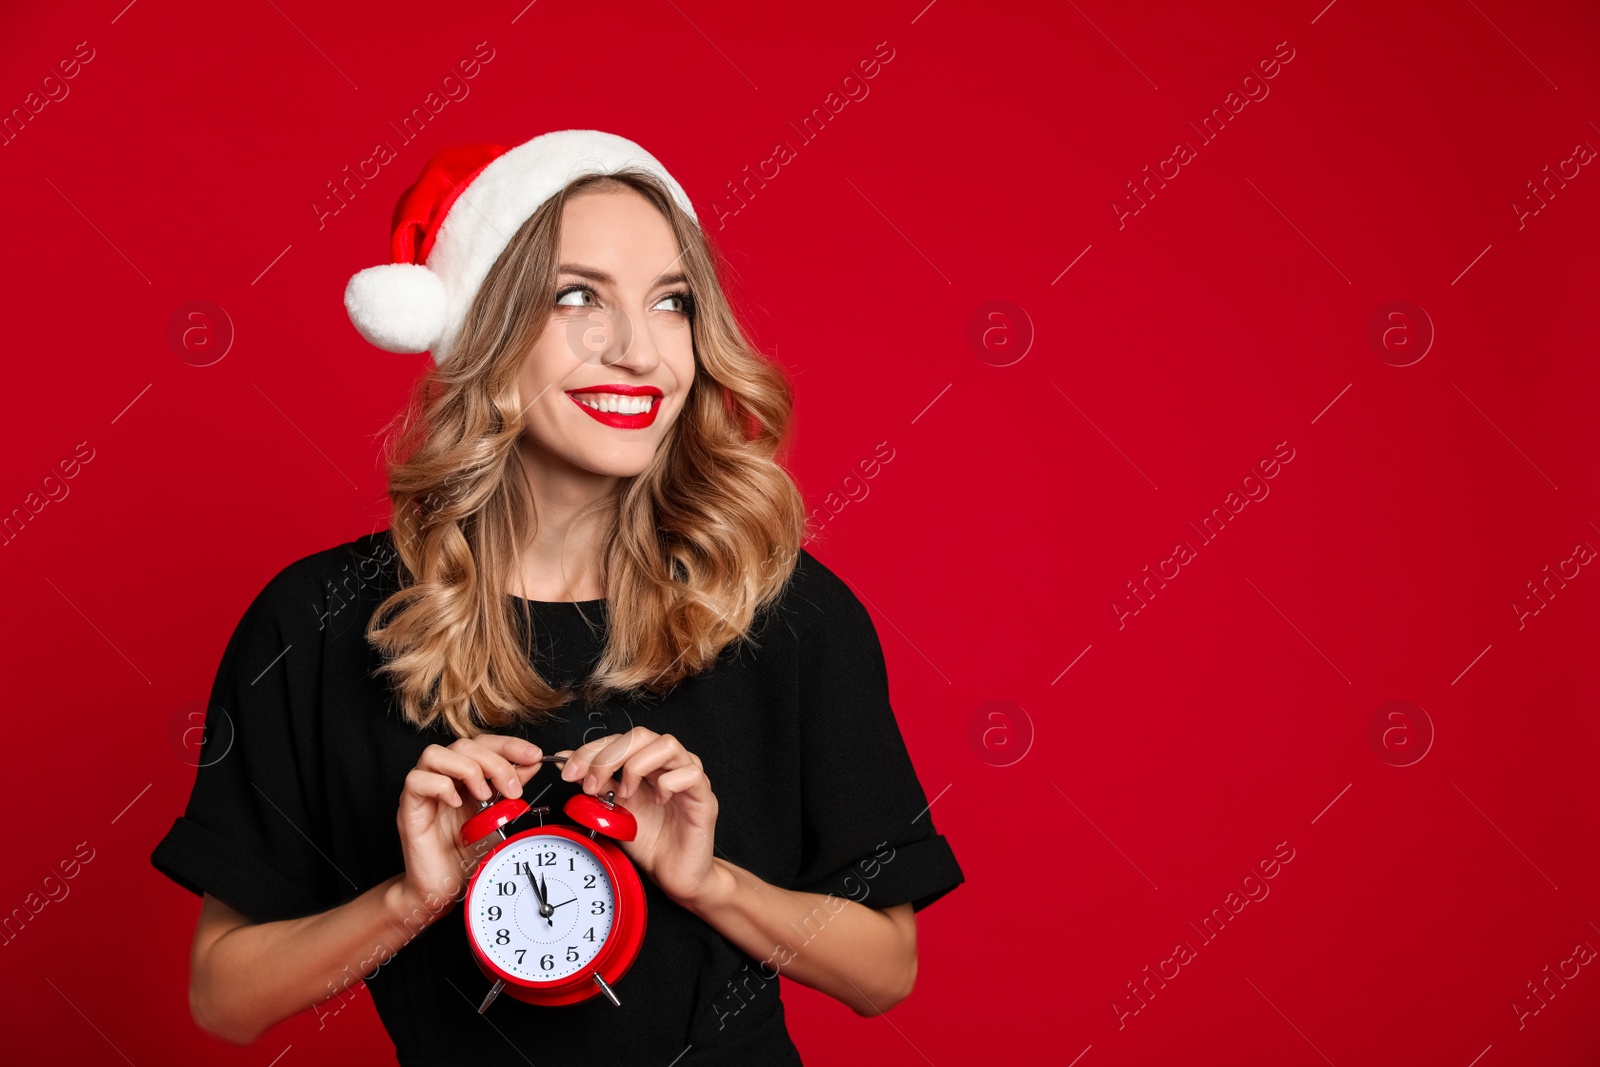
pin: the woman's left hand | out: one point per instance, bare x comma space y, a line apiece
665, 787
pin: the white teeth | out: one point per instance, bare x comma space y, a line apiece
615, 402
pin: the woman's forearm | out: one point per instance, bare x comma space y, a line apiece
863, 956
248, 978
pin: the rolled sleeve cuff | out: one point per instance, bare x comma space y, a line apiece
917, 873
202, 861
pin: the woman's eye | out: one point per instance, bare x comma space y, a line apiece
584, 296
680, 301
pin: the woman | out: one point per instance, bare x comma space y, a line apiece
594, 554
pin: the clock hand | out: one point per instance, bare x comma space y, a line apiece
544, 905
564, 902
544, 892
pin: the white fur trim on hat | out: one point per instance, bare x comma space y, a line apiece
412, 308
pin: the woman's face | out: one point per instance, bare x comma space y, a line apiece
620, 325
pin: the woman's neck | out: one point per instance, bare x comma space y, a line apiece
563, 560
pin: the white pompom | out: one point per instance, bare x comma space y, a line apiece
400, 307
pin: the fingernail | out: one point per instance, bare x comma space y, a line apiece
513, 787
589, 783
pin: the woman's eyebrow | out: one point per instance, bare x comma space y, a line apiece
596, 275
592, 273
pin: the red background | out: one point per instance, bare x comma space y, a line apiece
1230, 314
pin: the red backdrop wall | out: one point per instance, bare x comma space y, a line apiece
1089, 277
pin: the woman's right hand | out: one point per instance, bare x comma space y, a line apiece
441, 793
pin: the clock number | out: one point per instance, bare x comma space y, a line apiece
590, 935
570, 867
502, 936
494, 914
507, 888
521, 952
547, 961
599, 908
572, 953
521, 867
588, 881
546, 858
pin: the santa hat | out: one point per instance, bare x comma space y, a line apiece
450, 227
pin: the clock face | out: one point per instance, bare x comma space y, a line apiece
504, 913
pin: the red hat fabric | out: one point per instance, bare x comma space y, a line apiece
424, 205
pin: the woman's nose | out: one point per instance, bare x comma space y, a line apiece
625, 344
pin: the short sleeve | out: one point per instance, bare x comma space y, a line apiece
867, 825
251, 835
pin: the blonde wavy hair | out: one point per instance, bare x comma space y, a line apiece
694, 546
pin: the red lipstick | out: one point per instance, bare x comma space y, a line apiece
617, 419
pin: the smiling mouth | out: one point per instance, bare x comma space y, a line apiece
616, 402
635, 409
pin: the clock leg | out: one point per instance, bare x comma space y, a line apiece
606, 989
494, 991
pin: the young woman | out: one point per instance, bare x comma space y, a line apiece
594, 554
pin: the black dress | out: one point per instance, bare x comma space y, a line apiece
305, 757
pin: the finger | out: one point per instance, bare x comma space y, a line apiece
617, 759
688, 781
472, 785
665, 752
580, 762
421, 785
497, 768
579, 759
458, 765
624, 750
515, 749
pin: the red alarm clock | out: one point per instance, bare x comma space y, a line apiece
554, 916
